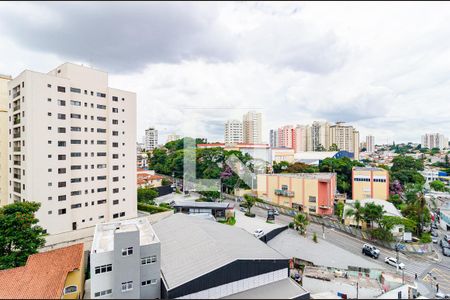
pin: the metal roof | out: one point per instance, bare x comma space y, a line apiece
192, 247
194, 204
281, 289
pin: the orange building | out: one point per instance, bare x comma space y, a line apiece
310, 192
55, 274
370, 183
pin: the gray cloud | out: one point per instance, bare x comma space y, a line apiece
121, 36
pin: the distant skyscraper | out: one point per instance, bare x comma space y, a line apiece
320, 138
252, 128
273, 140
286, 137
302, 138
173, 137
4, 139
370, 144
151, 138
233, 132
434, 140
345, 137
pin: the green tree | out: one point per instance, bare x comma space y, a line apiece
438, 185
343, 168
249, 202
339, 210
334, 147
357, 212
20, 236
280, 167
299, 167
405, 170
146, 195
373, 214
301, 222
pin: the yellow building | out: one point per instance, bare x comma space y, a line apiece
370, 183
55, 274
310, 192
4, 139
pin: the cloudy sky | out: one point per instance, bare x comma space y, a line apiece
383, 67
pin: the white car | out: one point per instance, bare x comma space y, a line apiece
393, 262
258, 233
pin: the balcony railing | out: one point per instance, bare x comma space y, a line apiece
17, 162
17, 190
284, 193
17, 149
16, 121
16, 107
16, 94
17, 176
16, 135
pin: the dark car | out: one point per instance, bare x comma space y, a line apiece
434, 226
434, 233
370, 251
446, 251
444, 244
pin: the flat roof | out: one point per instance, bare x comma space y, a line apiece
104, 233
368, 169
192, 247
281, 289
304, 175
195, 204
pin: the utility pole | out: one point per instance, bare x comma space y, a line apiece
357, 290
396, 250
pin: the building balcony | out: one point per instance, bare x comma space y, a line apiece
17, 176
17, 162
16, 135
16, 121
16, 107
17, 190
16, 94
17, 149
284, 193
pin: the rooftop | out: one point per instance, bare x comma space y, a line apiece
192, 247
43, 276
368, 169
390, 208
281, 289
104, 233
305, 175
181, 203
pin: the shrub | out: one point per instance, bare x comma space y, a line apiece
381, 234
251, 215
152, 209
231, 221
425, 238
314, 237
291, 225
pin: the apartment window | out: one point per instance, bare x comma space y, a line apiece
49, 85
61, 102
62, 171
101, 166
75, 180
101, 130
101, 201
101, 95
75, 167
115, 168
75, 103
148, 260
103, 269
115, 191
49, 212
75, 90
61, 184
100, 190
49, 127
312, 209
115, 179
73, 206
115, 216
115, 110
61, 143
61, 89
75, 116
101, 142
101, 177
62, 198
115, 133
115, 202
312, 199
103, 293
101, 118
100, 106
115, 122
115, 156
115, 99
62, 211
127, 251
61, 116
148, 282
61, 130
127, 286
75, 142
101, 153
75, 154
122, 214
61, 157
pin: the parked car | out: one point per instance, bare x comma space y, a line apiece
434, 233
447, 238
371, 251
275, 212
241, 208
444, 244
434, 240
434, 226
441, 295
258, 233
446, 251
393, 262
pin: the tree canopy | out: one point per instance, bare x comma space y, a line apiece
20, 236
343, 168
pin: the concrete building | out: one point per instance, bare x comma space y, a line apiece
219, 210
148, 179
55, 274
201, 259
434, 140
345, 137
233, 132
151, 138
302, 138
257, 151
72, 147
286, 137
370, 144
315, 157
173, 137
125, 261
273, 138
252, 127
320, 136
312, 193
4, 139
282, 154
370, 183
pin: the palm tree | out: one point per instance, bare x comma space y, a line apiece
357, 212
301, 222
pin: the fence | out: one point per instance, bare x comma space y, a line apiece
271, 234
358, 233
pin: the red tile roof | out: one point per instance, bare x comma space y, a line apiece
43, 276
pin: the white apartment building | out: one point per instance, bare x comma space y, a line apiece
345, 137
72, 147
4, 139
302, 138
273, 138
125, 261
151, 138
434, 140
173, 137
320, 136
370, 144
252, 124
233, 132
